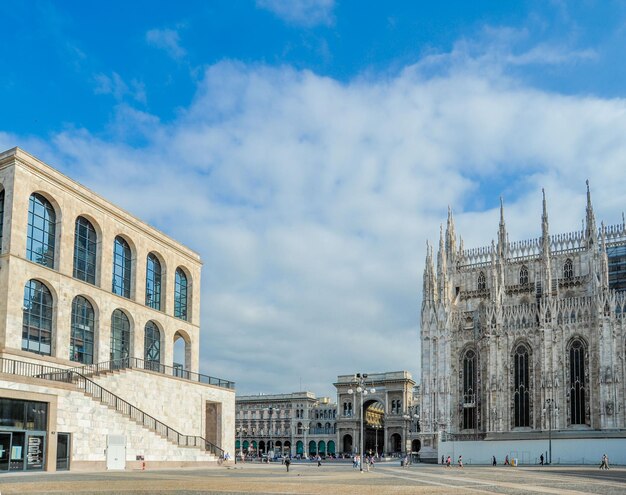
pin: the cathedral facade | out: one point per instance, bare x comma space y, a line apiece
522, 338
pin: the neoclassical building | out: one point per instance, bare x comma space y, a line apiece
99, 334
302, 424
525, 340
298, 423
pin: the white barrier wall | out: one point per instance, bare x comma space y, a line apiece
564, 451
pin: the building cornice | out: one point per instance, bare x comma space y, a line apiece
46, 172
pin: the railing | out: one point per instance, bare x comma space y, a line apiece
124, 363
34, 370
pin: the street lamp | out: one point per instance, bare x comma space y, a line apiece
305, 447
359, 388
550, 407
376, 428
241, 430
271, 410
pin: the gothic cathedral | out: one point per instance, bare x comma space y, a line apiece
519, 337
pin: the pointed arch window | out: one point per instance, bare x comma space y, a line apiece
122, 265
180, 294
120, 336
85, 242
1, 216
37, 318
521, 393
470, 380
82, 338
153, 282
152, 345
523, 275
577, 382
40, 236
482, 283
568, 269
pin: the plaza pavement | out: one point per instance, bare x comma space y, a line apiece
329, 479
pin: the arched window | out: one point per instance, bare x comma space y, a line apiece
482, 283
470, 379
568, 269
122, 265
85, 241
577, 385
521, 383
82, 338
120, 336
37, 318
153, 282
523, 275
1, 216
180, 295
152, 344
41, 231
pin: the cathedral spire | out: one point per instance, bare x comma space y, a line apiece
591, 231
545, 245
442, 267
502, 235
429, 276
450, 237
604, 259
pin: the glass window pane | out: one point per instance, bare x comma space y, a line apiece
153, 282
37, 318
82, 338
180, 295
85, 241
122, 265
120, 336
40, 232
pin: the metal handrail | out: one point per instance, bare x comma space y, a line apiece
129, 362
106, 397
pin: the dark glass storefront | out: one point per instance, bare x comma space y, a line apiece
23, 434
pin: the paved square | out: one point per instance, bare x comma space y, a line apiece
331, 478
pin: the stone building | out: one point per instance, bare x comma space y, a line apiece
389, 409
99, 334
525, 341
302, 424
298, 424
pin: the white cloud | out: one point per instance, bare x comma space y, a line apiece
114, 85
306, 13
168, 40
310, 200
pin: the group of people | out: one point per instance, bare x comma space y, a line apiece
368, 462
447, 461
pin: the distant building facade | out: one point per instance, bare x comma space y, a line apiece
285, 424
99, 330
525, 340
301, 424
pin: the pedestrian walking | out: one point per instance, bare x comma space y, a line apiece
442, 461
319, 460
287, 463
506, 461
541, 459
603, 461
461, 461
493, 461
448, 462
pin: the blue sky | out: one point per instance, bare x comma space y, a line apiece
312, 147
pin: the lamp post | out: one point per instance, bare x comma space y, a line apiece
305, 447
241, 430
271, 410
360, 389
376, 428
550, 407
